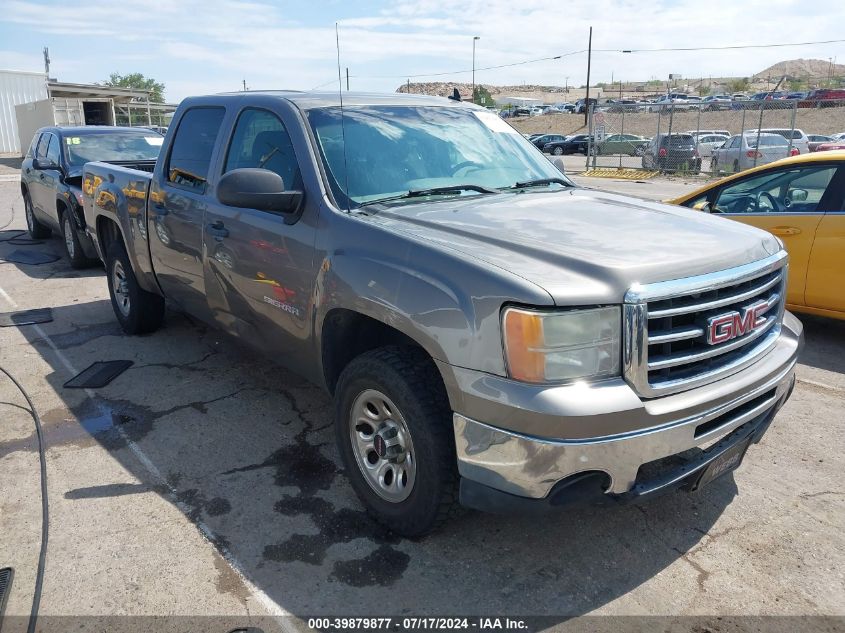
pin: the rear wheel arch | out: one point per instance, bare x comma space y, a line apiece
107, 232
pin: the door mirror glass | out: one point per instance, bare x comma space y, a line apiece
255, 188
798, 195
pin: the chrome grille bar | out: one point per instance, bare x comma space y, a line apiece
669, 321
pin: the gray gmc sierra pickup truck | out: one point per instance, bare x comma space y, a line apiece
492, 334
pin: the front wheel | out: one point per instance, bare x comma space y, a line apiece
72, 246
394, 434
137, 310
557, 151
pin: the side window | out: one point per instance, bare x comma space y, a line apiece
33, 147
261, 140
190, 155
735, 141
781, 191
42, 145
53, 149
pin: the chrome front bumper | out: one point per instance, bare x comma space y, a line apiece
529, 466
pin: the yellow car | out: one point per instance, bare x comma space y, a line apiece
801, 200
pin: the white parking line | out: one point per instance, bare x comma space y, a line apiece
273, 608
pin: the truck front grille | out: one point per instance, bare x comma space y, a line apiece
684, 333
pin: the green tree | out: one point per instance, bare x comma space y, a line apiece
739, 85
483, 97
139, 82
703, 90
795, 85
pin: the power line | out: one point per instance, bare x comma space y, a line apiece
717, 48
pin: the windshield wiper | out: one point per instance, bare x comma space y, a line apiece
418, 193
540, 182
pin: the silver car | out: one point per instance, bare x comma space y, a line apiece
744, 151
706, 143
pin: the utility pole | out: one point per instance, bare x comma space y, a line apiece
46, 52
347, 79
566, 86
474, 39
589, 59
244, 83
408, 87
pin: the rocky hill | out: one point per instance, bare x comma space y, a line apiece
800, 68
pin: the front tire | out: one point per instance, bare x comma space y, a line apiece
72, 246
137, 310
557, 151
394, 434
37, 231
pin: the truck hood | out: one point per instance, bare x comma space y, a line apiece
582, 246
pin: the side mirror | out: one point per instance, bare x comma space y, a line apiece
262, 189
558, 163
43, 163
704, 206
798, 195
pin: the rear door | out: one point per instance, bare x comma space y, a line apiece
178, 199
773, 201
259, 264
826, 270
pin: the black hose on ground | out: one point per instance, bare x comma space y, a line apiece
45, 509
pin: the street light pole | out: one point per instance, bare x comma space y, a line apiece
474, 38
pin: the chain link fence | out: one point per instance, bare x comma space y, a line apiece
713, 138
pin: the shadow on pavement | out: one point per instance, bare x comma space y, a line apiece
823, 341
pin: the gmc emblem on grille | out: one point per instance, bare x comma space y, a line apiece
728, 326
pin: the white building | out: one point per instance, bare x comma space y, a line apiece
16, 88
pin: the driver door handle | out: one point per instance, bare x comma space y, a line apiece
218, 230
785, 230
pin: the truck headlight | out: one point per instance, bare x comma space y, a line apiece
562, 346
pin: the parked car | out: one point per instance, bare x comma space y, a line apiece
799, 200
824, 98
706, 143
826, 147
744, 151
467, 307
796, 137
675, 102
624, 105
543, 139
797, 96
712, 103
703, 132
814, 140
575, 144
672, 152
629, 144
581, 107
51, 178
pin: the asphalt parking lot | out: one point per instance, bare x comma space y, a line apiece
204, 481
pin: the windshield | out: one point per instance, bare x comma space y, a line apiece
86, 148
391, 150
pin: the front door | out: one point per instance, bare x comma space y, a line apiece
45, 182
788, 202
259, 265
177, 204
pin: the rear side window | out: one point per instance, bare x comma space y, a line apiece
261, 140
190, 156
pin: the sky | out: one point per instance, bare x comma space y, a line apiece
207, 46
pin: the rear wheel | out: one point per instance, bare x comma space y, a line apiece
37, 230
394, 433
137, 310
72, 246
557, 151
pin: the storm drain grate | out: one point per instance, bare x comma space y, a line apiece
34, 258
6, 575
99, 374
26, 317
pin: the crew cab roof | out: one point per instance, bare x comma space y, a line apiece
84, 130
309, 100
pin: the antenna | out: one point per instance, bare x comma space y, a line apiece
342, 127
